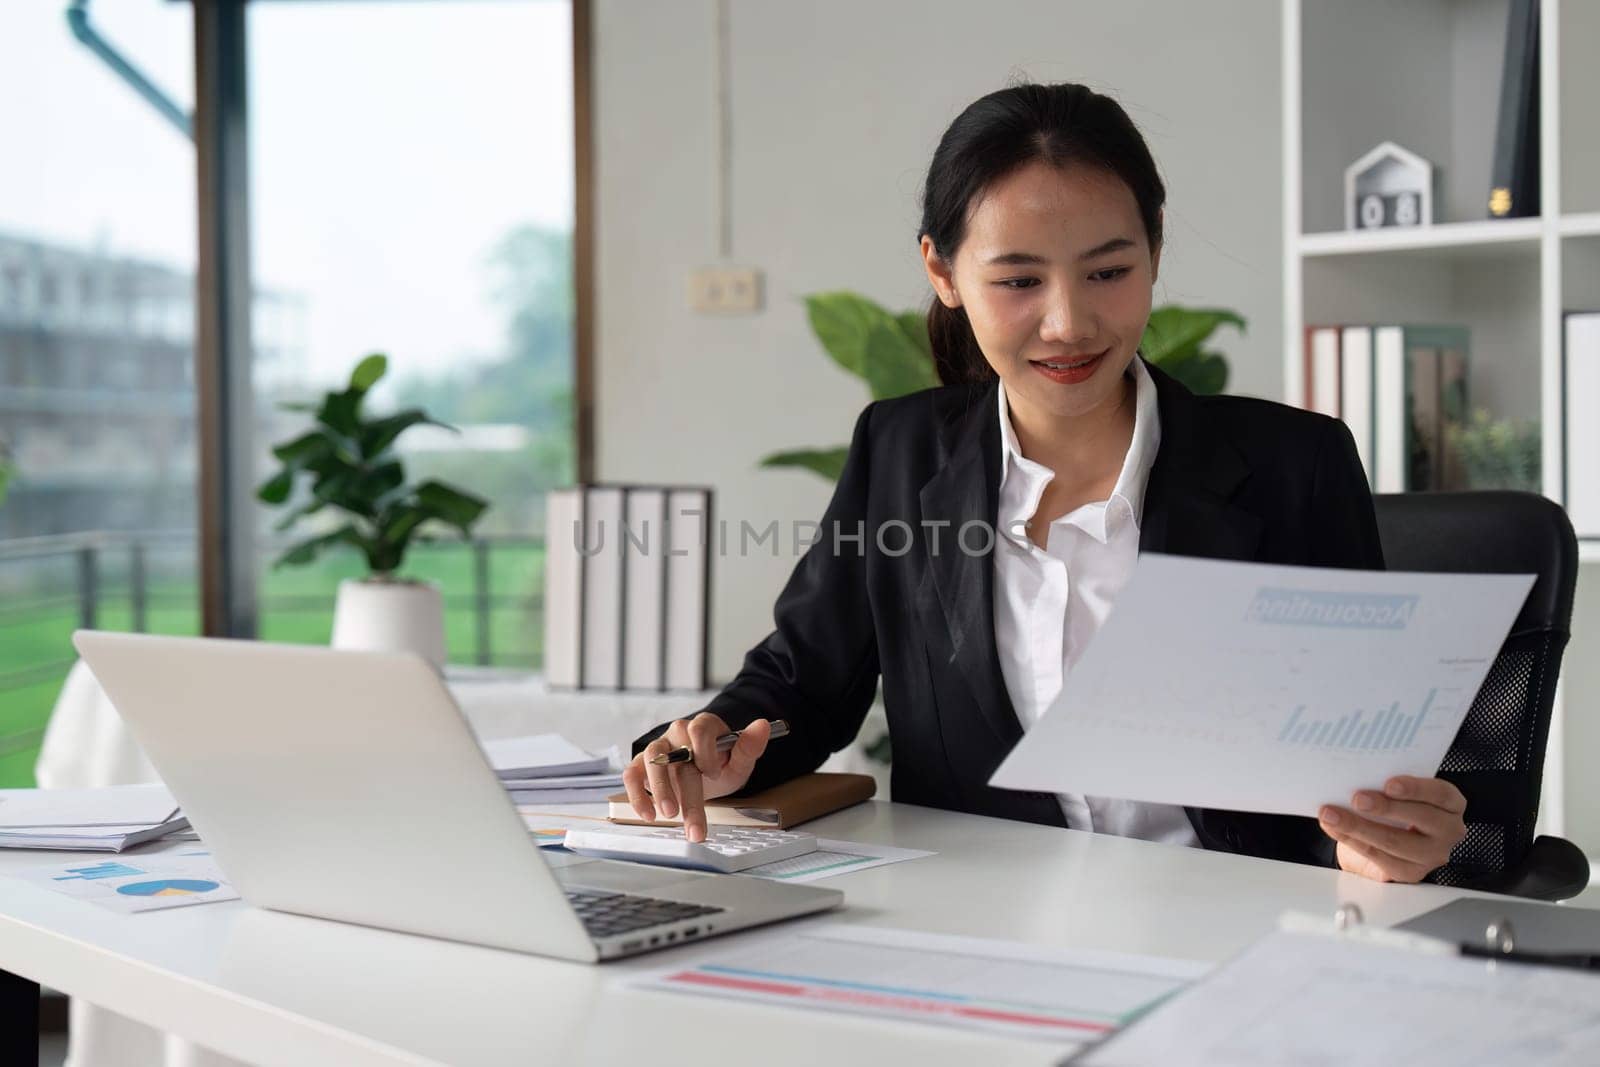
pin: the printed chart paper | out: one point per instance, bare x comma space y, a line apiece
1253, 687
973, 983
134, 884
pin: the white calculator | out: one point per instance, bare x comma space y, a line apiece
726, 849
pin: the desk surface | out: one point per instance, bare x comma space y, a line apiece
275, 988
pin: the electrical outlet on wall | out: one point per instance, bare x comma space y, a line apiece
725, 290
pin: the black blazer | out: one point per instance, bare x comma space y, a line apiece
1234, 478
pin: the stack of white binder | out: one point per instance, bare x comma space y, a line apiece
627, 587
91, 820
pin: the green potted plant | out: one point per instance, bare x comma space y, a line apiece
349, 463
891, 353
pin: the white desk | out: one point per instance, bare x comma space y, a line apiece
87, 744
279, 989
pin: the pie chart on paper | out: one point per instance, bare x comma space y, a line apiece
168, 887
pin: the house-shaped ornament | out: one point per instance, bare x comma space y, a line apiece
1388, 186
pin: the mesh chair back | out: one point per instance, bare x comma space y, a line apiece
1497, 758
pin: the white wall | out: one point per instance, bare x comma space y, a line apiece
836, 108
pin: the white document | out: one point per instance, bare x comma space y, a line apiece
90, 838
608, 780
833, 858
1253, 687
119, 805
1299, 1000
523, 797
541, 756
1005, 987
134, 884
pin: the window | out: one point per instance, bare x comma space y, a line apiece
412, 193
97, 219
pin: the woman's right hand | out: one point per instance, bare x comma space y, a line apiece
685, 787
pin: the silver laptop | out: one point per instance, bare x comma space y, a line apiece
347, 785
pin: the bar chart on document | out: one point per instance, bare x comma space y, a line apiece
1359, 730
1251, 687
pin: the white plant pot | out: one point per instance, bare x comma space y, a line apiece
390, 616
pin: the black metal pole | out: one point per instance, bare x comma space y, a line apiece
136, 587
19, 1019
480, 590
88, 586
223, 351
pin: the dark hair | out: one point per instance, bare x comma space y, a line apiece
1057, 124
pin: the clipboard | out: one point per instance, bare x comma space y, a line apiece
1331, 989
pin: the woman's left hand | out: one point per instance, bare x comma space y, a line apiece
1431, 810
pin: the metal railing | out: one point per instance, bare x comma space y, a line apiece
93, 580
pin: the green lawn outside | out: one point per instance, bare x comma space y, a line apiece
296, 607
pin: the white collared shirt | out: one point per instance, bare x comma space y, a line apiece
1050, 602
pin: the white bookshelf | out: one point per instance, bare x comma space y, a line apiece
1425, 74
1445, 238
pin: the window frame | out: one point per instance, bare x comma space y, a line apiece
229, 602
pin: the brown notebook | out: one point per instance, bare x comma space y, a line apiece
795, 801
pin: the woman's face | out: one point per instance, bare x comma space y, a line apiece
1055, 274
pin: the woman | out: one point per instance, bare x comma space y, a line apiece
981, 531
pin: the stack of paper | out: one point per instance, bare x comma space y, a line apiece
94, 820
549, 769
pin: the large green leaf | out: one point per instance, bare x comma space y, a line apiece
275, 490
303, 450
842, 321
828, 462
400, 524
368, 371
379, 434
308, 550
1175, 330
895, 365
450, 505
341, 412
334, 488
370, 486
1204, 373
915, 324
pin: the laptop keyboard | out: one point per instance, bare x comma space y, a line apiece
608, 914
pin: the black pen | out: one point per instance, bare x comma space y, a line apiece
780, 728
1583, 961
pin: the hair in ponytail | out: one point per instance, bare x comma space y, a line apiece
1057, 124
956, 356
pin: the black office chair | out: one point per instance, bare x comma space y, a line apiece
1497, 758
